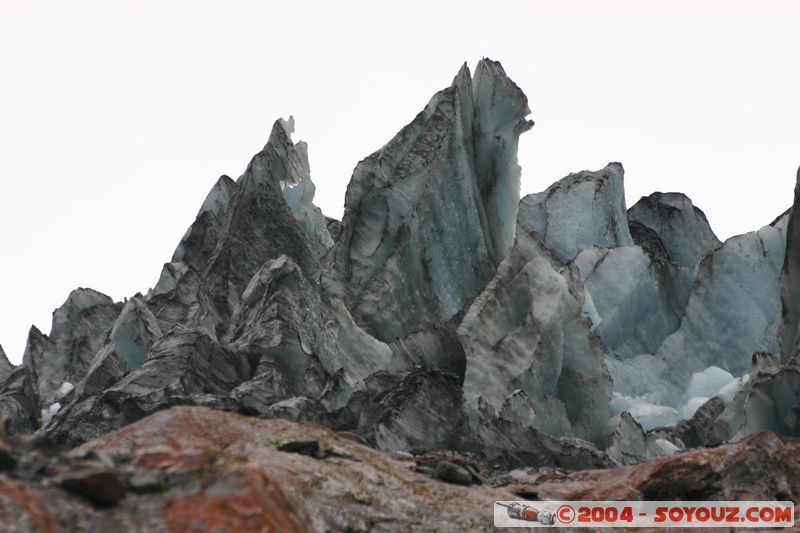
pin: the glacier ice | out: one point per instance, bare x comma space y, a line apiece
185, 367
200, 239
134, 333
637, 302
648, 415
284, 322
790, 281
20, 405
773, 401
644, 376
734, 308
681, 228
5, 366
298, 191
703, 386
628, 442
581, 210
526, 332
80, 327
666, 447
430, 215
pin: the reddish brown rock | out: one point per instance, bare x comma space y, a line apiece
765, 466
194, 468
22, 510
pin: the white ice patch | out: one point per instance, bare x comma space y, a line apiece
703, 386
590, 310
666, 447
50, 412
729, 391
690, 407
65, 389
648, 415
708, 382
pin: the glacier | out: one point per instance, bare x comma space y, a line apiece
444, 311
430, 216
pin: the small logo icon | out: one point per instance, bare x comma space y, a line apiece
565, 514
527, 513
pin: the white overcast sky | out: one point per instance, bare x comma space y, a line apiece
116, 117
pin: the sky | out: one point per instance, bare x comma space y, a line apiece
117, 117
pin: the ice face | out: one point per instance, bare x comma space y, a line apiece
260, 225
637, 302
644, 376
5, 367
430, 215
298, 191
774, 401
201, 238
734, 307
526, 334
579, 211
284, 322
135, 331
80, 327
681, 227
499, 110
708, 383
790, 280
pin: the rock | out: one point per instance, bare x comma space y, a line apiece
430, 215
304, 447
298, 408
581, 210
205, 469
452, 473
526, 332
682, 228
763, 467
8, 459
146, 482
99, 486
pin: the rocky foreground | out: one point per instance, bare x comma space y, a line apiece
198, 469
